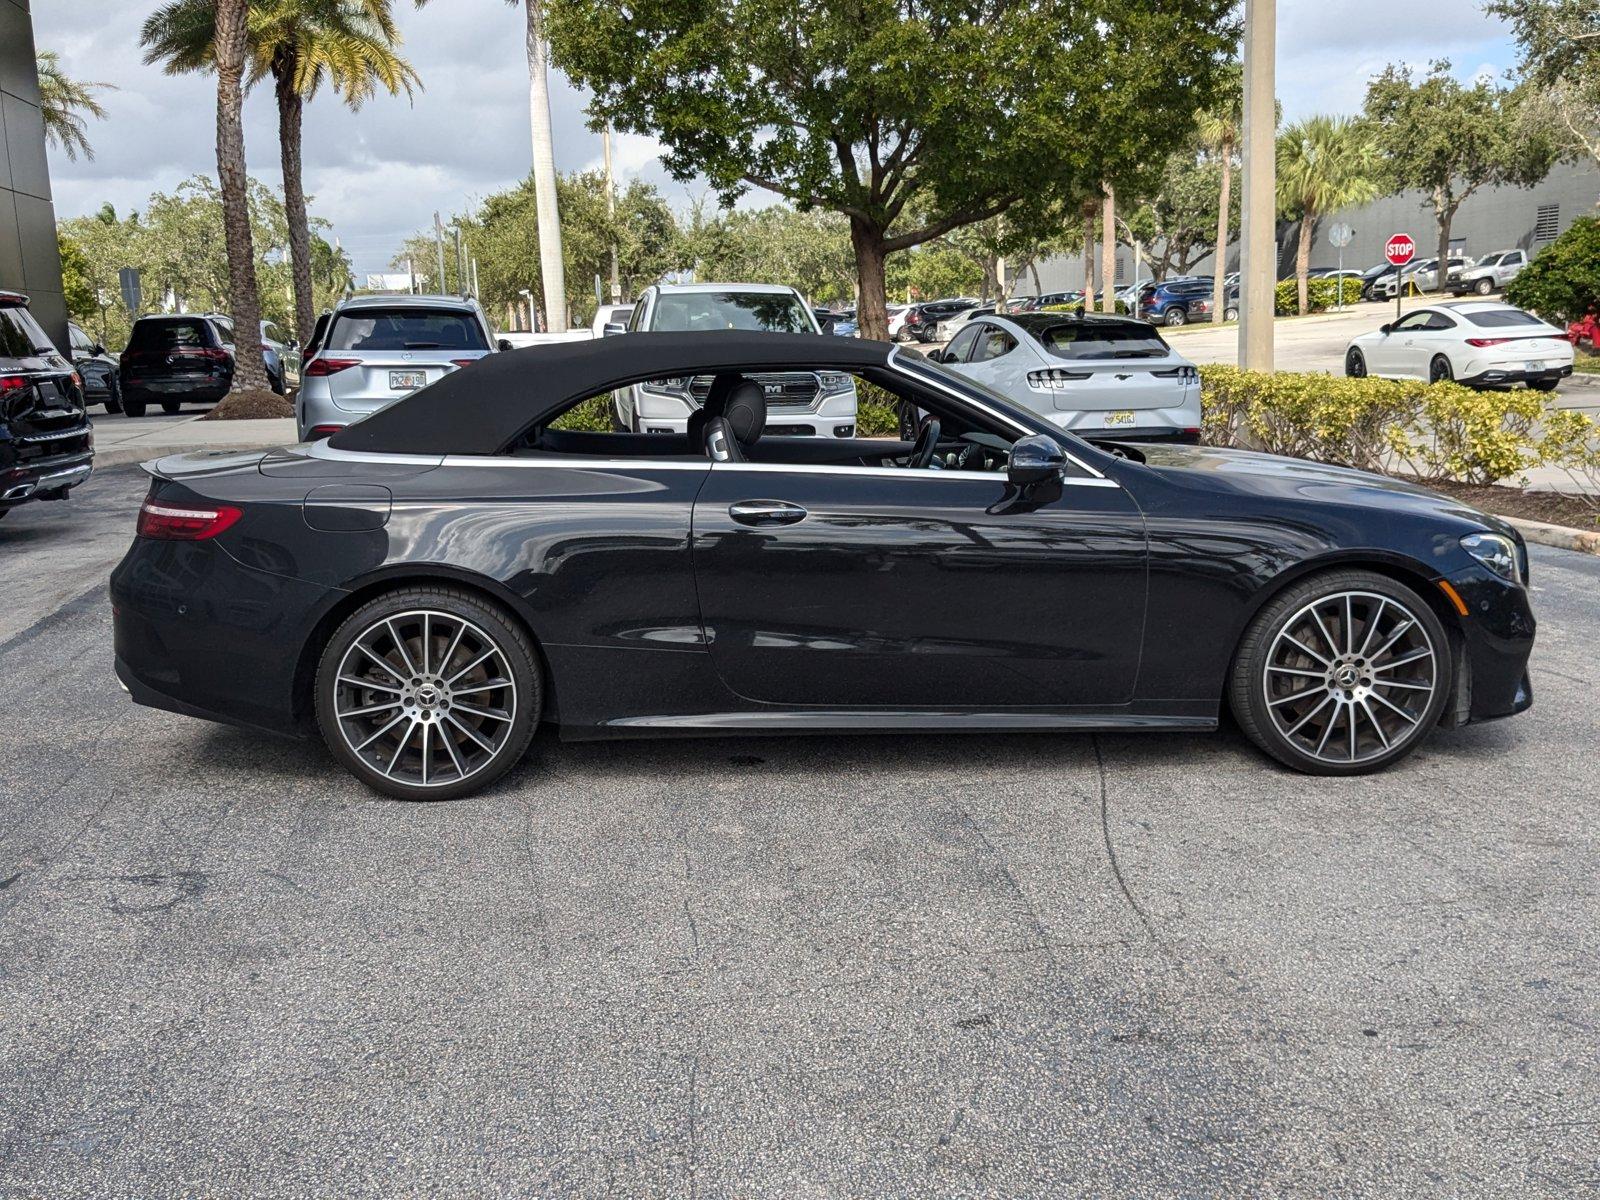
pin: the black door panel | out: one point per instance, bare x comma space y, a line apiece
901, 589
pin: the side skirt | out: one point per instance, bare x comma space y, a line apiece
814, 721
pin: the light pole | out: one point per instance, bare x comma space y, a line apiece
1258, 228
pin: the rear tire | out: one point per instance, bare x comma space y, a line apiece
1440, 370
113, 395
451, 709
133, 408
170, 407
1230, 314
1334, 690
1544, 385
1174, 317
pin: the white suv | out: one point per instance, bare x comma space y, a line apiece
799, 403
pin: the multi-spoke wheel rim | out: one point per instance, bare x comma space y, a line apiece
425, 698
1350, 677
1355, 365
1441, 371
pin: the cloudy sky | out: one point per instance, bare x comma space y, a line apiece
379, 174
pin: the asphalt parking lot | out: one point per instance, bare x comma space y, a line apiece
1043, 965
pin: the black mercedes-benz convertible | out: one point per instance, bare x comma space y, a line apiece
428, 585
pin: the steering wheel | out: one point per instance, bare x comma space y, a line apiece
927, 443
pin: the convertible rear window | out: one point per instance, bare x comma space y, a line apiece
1501, 318
1076, 340
405, 329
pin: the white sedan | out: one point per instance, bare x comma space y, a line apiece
1478, 343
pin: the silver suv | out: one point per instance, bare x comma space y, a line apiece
379, 348
799, 403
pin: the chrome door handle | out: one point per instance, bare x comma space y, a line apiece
766, 512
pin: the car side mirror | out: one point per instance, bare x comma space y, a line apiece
938, 356
97, 349
612, 328
503, 345
1036, 459
1386, 328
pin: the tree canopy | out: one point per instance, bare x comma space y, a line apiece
910, 118
1559, 42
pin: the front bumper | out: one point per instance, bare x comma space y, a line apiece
1497, 635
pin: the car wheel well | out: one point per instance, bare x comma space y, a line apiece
1415, 578
306, 668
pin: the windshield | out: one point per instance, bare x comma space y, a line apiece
1492, 261
1501, 318
405, 329
694, 312
1084, 339
20, 335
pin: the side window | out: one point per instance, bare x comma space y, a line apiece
1440, 321
637, 316
1412, 322
961, 345
1514, 259
993, 343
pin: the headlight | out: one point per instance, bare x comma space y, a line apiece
1495, 551
677, 387
833, 383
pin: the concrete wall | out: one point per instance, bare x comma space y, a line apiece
29, 261
1489, 220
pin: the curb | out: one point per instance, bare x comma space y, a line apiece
1562, 537
122, 456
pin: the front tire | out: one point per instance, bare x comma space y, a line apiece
1355, 363
113, 395
133, 408
428, 693
1231, 314
171, 407
1342, 674
1174, 317
1483, 287
1440, 370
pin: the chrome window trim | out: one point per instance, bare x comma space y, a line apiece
896, 473
1021, 429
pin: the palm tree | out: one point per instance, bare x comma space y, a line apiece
1324, 164
63, 100
551, 266
1219, 129
300, 44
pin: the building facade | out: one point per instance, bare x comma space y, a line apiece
29, 259
1497, 218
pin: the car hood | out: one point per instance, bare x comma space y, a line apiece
1253, 473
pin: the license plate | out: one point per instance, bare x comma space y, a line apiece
1536, 365
407, 380
1119, 418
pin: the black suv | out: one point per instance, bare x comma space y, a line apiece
172, 360
46, 442
922, 322
96, 368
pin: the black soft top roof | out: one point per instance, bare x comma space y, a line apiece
481, 408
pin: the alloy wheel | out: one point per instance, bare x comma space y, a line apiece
425, 698
1355, 364
1350, 677
1439, 370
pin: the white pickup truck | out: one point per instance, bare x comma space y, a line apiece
606, 314
1491, 274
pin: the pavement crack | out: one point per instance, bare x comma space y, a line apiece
1040, 932
1111, 851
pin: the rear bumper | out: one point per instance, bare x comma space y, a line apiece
1185, 437
192, 391
1501, 376
44, 478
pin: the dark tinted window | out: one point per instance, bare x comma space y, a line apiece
20, 335
961, 345
1501, 318
1097, 339
169, 333
993, 343
405, 329
771, 312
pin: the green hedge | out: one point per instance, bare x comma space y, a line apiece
1436, 432
1321, 294
1562, 284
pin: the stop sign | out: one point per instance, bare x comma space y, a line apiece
1400, 249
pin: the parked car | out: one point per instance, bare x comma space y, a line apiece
1419, 276
1373, 276
173, 359
46, 441
1479, 343
274, 349
610, 318
997, 573
96, 368
897, 320
378, 349
1491, 274
1098, 375
1177, 301
798, 403
846, 324
950, 326
922, 320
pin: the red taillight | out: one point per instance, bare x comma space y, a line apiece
12, 383
322, 431
319, 367
463, 362
1486, 341
185, 523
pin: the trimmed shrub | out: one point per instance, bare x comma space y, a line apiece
1436, 432
1571, 443
1562, 283
1321, 294
587, 416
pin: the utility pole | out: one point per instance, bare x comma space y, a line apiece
476, 295
461, 265
411, 278
1258, 260
1108, 249
438, 244
611, 216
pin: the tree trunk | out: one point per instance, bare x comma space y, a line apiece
1302, 261
872, 315
1108, 249
551, 266
1087, 303
290, 109
1219, 264
250, 369
1443, 281
1033, 269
